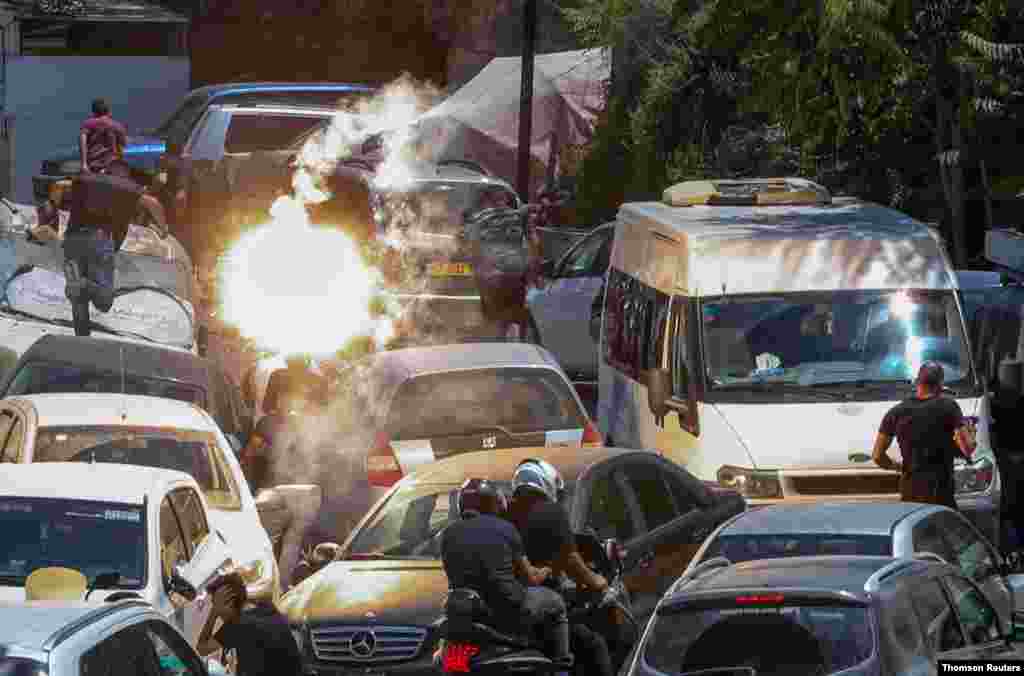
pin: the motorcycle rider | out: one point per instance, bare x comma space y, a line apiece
483, 551
549, 541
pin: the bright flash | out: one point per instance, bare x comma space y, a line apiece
294, 288
902, 305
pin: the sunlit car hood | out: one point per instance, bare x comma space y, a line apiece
816, 435
395, 592
135, 150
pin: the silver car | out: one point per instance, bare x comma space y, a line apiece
560, 309
68, 639
900, 529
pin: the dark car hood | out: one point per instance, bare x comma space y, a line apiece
395, 592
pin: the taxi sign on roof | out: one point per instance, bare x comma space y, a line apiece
747, 192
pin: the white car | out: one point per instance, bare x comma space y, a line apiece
140, 430
133, 532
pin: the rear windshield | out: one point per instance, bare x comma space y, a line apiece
777, 641
739, 548
265, 132
458, 403
192, 452
50, 377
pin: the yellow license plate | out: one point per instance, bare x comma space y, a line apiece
450, 270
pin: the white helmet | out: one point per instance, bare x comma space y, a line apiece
538, 476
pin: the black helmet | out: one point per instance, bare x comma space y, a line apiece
480, 496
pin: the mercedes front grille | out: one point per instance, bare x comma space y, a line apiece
366, 644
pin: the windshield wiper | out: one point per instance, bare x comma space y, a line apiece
483, 430
787, 388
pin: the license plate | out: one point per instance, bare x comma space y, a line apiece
450, 270
457, 656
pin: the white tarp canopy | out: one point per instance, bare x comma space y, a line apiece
480, 121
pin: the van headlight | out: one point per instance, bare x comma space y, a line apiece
974, 477
750, 483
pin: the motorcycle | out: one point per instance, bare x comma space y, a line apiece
471, 644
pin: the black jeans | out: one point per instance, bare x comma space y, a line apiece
89, 273
592, 649
544, 608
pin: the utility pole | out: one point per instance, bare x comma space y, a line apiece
526, 98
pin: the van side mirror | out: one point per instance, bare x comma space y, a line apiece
659, 388
1011, 377
547, 268
181, 586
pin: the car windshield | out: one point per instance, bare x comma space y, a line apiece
176, 128
788, 640
739, 548
409, 524
21, 666
91, 537
150, 314
190, 451
435, 207
832, 339
54, 377
511, 400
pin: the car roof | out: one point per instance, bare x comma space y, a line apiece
270, 86
409, 362
104, 354
829, 573
838, 518
102, 482
94, 409
500, 465
312, 110
31, 624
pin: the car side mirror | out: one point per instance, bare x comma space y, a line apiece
178, 584
659, 388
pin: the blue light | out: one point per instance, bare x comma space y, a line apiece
145, 148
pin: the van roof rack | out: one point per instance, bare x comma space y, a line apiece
747, 192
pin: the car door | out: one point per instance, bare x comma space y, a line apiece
174, 552
978, 561
984, 633
561, 309
677, 514
192, 518
943, 634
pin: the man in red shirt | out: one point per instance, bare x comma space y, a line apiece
102, 139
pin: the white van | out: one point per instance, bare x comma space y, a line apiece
756, 332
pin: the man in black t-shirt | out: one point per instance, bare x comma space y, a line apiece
932, 432
549, 541
258, 634
484, 552
102, 206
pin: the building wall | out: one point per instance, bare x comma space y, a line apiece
49, 96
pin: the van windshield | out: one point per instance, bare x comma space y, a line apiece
791, 640
840, 338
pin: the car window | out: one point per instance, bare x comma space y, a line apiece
979, 619
172, 543
292, 98
938, 621
582, 260
509, 400
190, 512
94, 538
970, 552
265, 132
928, 537
608, 513
173, 654
652, 492
790, 639
51, 377
129, 652
749, 547
194, 452
7, 420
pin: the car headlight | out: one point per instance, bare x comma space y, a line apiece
750, 483
975, 477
